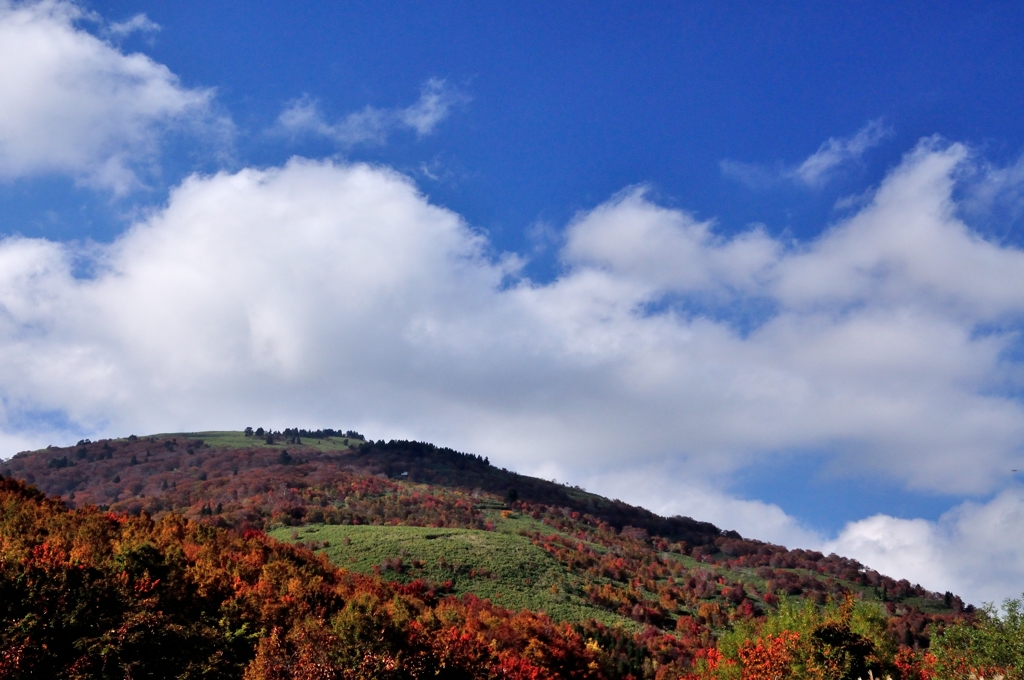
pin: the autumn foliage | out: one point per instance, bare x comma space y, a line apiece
87, 594
769, 658
153, 563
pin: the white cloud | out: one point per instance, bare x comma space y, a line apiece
435, 103
869, 351
666, 249
303, 116
138, 23
818, 168
77, 105
373, 125
834, 153
975, 550
753, 175
329, 294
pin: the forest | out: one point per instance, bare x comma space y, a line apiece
318, 554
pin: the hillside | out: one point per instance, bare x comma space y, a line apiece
654, 596
88, 594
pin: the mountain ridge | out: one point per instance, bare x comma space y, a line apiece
615, 572
192, 474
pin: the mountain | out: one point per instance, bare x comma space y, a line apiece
533, 578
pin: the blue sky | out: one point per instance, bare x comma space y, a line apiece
571, 103
756, 265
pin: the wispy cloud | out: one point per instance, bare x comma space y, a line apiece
820, 165
994, 196
435, 103
139, 23
753, 175
818, 168
303, 117
372, 125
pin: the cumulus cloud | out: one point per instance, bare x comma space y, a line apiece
372, 125
77, 105
323, 293
818, 168
667, 249
975, 549
871, 351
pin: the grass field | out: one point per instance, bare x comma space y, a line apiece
502, 567
237, 440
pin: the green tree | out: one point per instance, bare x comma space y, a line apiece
992, 645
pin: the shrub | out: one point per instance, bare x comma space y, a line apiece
991, 645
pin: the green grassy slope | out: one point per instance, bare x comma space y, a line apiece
503, 567
233, 439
